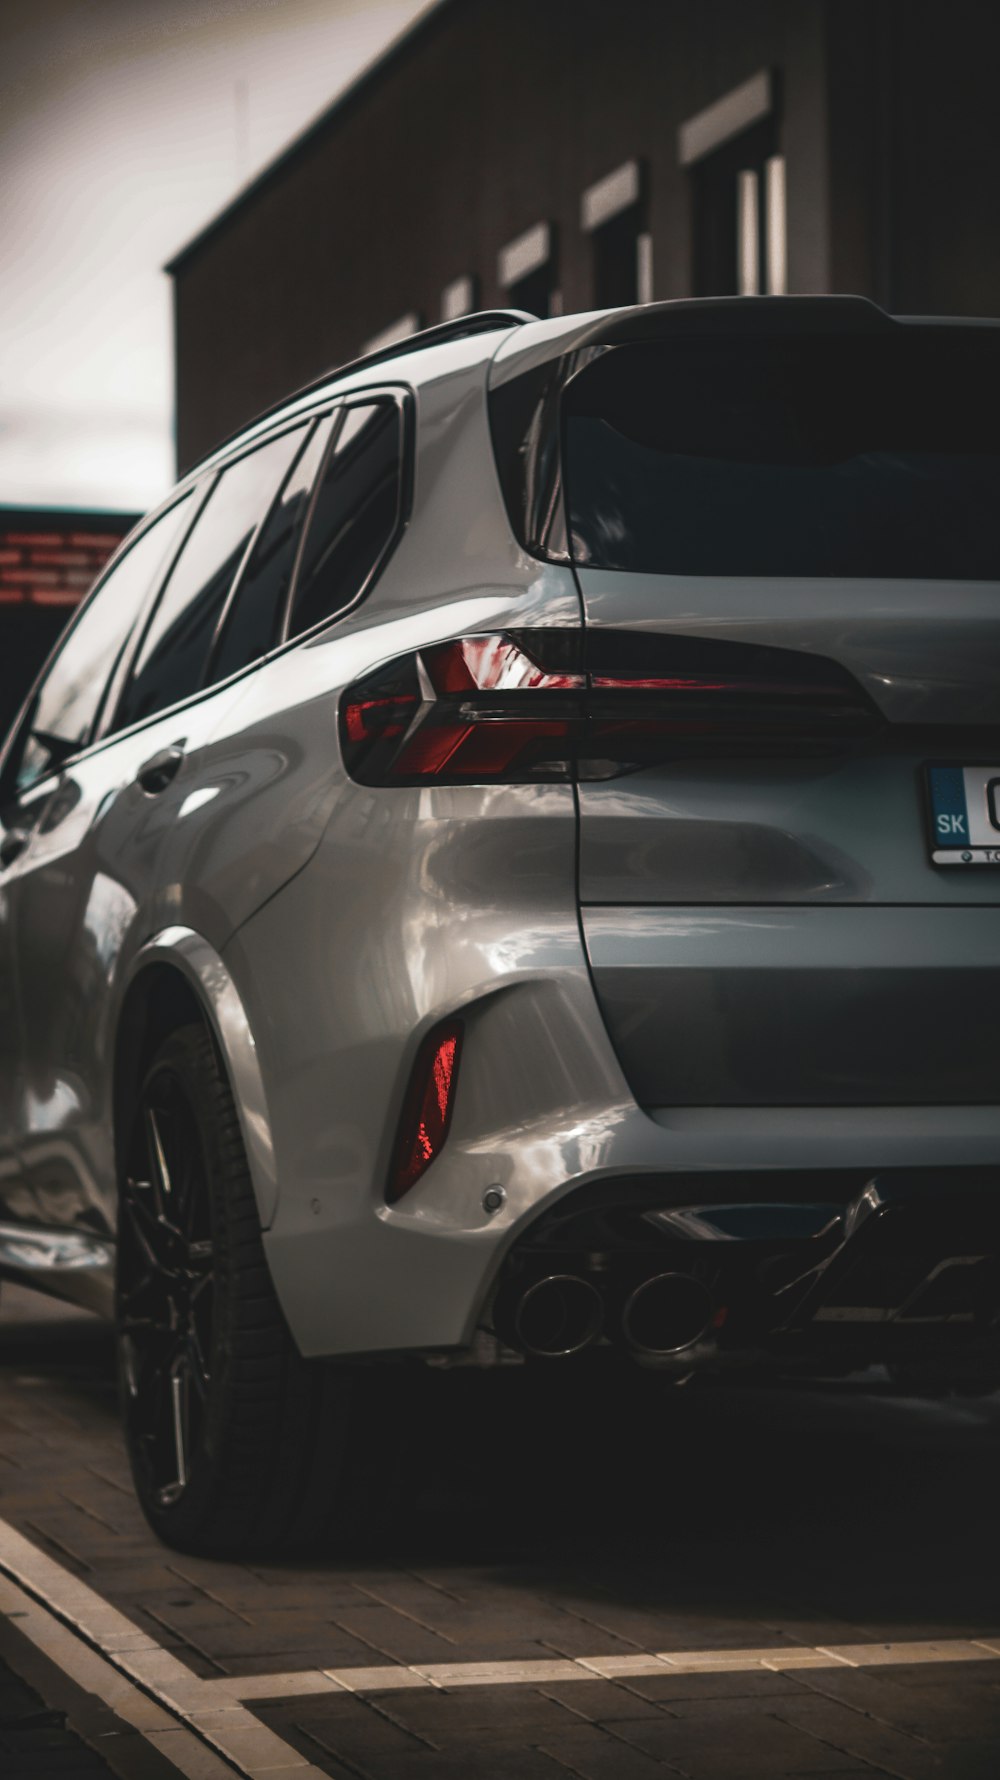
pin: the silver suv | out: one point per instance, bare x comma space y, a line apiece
503, 865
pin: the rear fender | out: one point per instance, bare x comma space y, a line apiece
187, 953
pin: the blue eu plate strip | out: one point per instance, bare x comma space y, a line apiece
948, 806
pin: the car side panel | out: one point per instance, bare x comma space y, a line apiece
97, 883
256, 791
418, 904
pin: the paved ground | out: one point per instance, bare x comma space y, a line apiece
35, 1738
552, 1521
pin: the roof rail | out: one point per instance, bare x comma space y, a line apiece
483, 321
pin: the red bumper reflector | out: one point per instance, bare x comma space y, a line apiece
427, 1109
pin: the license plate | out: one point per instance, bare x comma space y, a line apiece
964, 813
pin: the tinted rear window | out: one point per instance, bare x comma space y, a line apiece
355, 514
174, 650
852, 455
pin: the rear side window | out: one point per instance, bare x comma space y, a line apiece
66, 704
355, 514
855, 455
253, 626
174, 651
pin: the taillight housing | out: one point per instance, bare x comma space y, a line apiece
427, 1108
518, 707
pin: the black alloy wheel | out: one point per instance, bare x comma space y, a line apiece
236, 1443
166, 1287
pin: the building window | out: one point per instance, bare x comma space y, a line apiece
400, 329
775, 226
613, 214
644, 267
526, 272
739, 244
460, 297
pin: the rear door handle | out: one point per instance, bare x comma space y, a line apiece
12, 846
156, 773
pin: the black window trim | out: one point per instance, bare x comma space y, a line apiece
200, 482
403, 400
339, 418
200, 489
112, 705
309, 425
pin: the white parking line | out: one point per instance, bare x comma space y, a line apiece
772, 1659
149, 1688
95, 1674
173, 1709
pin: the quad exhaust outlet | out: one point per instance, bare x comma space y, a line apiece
562, 1313
557, 1315
666, 1314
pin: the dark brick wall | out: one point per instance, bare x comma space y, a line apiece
497, 114
48, 562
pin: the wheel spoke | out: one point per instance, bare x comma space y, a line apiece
166, 1286
190, 1196
147, 1376
180, 1404
153, 1328
146, 1226
140, 1288
196, 1360
158, 1158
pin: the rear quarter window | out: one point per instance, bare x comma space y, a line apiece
356, 514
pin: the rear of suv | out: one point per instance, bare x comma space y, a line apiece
501, 869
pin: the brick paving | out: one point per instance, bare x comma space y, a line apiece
36, 1740
561, 1516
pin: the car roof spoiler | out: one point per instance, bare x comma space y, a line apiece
696, 317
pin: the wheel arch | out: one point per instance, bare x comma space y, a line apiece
175, 978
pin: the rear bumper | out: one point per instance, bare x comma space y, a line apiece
344, 973
817, 1267
801, 1006
422, 1275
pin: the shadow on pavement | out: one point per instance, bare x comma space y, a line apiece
782, 1504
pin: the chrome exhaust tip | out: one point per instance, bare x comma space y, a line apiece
667, 1313
558, 1315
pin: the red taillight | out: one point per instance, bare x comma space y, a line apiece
498, 663
522, 707
367, 719
427, 1109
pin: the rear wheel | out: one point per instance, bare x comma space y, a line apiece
235, 1441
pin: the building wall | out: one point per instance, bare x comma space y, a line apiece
497, 114
914, 153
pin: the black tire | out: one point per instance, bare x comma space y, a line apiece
236, 1443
